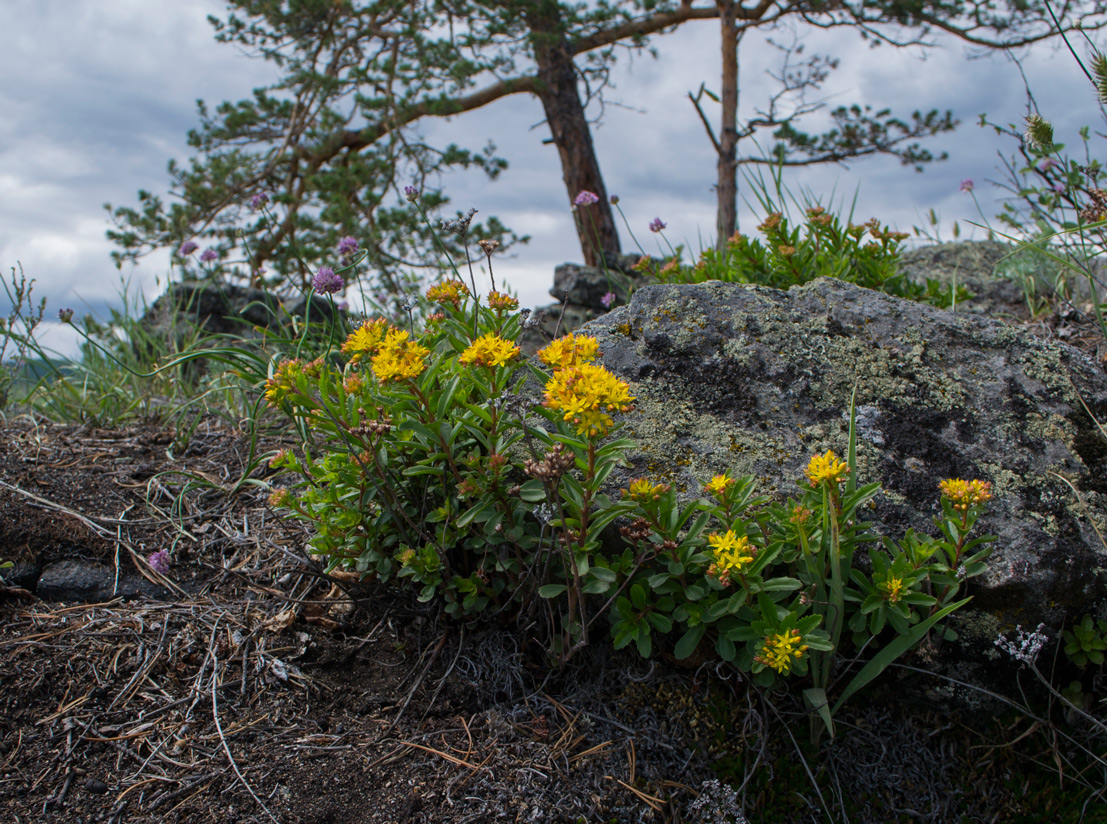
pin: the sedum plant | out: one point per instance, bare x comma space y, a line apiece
445, 461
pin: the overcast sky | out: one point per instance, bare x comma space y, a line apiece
97, 96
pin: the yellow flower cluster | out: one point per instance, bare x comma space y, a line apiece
280, 386
489, 350
585, 395
571, 350
642, 491
718, 485
893, 589
448, 292
501, 302
826, 468
963, 494
732, 555
399, 358
365, 340
780, 651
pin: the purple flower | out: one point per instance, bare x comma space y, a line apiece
159, 561
1059, 188
656, 225
342, 306
966, 184
258, 201
326, 282
187, 248
607, 300
65, 315
411, 193
585, 198
209, 255
1047, 164
347, 246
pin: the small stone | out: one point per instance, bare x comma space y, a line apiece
95, 785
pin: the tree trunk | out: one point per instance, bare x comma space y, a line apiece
727, 180
557, 89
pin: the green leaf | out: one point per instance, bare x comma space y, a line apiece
894, 650
532, 491
604, 574
815, 698
689, 641
638, 596
595, 587
551, 590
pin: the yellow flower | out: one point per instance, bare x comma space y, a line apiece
718, 485
399, 358
893, 589
826, 468
501, 302
283, 381
569, 351
585, 394
489, 350
365, 340
642, 490
963, 494
448, 292
732, 554
781, 651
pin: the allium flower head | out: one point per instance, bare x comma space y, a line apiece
571, 350
490, 351
65, 315
449, 292
826, 468
366, 339
187, 248
614, 200
963, 494
347, 246
781, 651
399, 359
656, 225
585, 394
967, 185
326, 282
607, 300
411, 193
585, 198
159, 561
732, 555
209, 255
258, 201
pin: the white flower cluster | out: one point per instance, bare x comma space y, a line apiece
1025, 646
718, 804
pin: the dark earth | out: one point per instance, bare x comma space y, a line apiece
245, 685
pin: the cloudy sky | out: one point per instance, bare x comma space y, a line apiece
97, 96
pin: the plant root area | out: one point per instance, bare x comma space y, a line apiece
243, 684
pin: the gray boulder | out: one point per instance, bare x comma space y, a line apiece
756, 380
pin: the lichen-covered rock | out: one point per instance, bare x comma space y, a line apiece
756, 380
